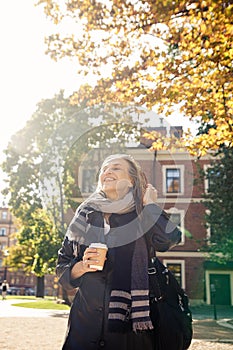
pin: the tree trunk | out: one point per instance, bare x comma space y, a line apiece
40, 287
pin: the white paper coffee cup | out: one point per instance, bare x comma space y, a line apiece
102, 251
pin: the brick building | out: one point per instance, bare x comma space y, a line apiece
7, 227
19, 283
17, 280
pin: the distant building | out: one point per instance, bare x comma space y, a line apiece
18, 282
7, 228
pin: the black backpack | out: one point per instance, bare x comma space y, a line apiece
169, 309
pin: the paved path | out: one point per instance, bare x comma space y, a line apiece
32, 329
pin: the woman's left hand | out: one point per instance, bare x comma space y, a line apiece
150, 196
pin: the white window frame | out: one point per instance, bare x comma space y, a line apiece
3, 229
182, 263
4, 215
174, 210
81, 171
164, 171
208, 228
3, 246
206, 182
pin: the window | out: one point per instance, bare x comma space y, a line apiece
173, 179
3, 246
88, 180
208, 228
177, 268
177, 216
4, 215
2, 231
210, 174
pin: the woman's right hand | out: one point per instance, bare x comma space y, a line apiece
82, 267
151, 195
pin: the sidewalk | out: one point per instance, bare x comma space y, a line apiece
29, 329
207, 311
211, 334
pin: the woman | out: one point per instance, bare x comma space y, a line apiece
111, 307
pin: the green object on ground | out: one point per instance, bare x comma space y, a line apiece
38, 303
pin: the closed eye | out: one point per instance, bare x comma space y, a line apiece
116, 167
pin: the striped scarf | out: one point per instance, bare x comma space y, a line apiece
129, 298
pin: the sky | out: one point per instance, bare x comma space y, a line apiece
27, 74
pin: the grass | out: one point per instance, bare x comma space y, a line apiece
48, 303
25, 297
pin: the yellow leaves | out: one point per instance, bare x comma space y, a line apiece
150, 135
201, 144
156, 141
230, 53
160, 66
229, 10
149, 77
212, 132
193, 68
203, 28
158, 145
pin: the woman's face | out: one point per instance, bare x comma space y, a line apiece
114, 178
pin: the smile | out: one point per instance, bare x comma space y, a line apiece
108, 179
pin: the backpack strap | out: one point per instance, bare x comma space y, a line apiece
154, 272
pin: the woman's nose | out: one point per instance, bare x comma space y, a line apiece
108, 170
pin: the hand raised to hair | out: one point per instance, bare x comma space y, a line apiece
150, 196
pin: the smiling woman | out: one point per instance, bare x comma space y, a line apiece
111, 307
114, 178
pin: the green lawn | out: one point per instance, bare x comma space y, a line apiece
39, 303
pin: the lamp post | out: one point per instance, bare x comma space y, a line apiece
154, 169
213, 292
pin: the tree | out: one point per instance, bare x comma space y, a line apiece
30, 164
40, 164
219, 206
30, 159
35, 251
159, 53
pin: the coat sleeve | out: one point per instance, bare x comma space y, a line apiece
163, 234
67, 257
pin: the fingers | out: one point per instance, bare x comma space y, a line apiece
90, 257
151, 195
151, 187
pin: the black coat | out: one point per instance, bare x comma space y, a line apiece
88, 320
